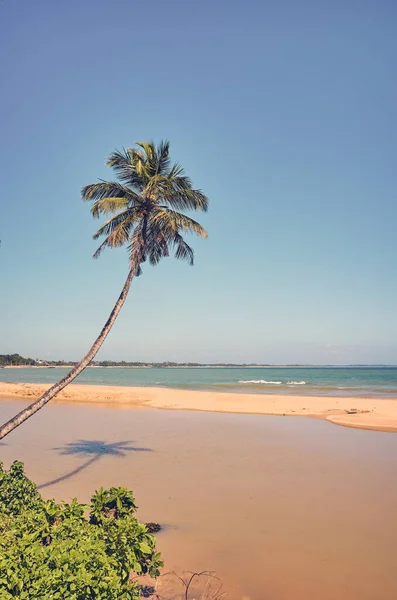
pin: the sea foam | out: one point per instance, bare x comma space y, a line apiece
264, 382
260, 381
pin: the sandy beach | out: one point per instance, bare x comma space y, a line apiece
363, 413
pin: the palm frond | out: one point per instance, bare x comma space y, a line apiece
163, 158
119, 236
108, 206
100, 249
185, 199
124, 165
157, 246
130, 216
144, 166
152, 162
163, 233
150, 151
136, 247
182, 250
179, 221
176, 171
154, 186
108, 189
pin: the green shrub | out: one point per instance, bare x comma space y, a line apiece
70, 551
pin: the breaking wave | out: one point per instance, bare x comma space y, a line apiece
264, 382
260, 381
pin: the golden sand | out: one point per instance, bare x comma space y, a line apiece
364, 413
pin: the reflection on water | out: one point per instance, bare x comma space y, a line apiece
282, 508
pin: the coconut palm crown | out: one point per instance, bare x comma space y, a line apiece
145, 205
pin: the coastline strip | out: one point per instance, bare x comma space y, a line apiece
362, 413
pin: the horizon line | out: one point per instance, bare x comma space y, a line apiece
139, 363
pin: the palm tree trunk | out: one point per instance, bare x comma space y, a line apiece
77, 369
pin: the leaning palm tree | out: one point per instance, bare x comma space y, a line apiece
143, 209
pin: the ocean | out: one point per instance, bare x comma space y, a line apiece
305, 381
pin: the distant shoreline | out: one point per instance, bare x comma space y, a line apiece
203, 366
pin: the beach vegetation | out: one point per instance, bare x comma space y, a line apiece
142, 209
71, 550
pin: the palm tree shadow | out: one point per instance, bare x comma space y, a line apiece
95, 449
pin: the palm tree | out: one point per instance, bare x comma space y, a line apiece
144, 206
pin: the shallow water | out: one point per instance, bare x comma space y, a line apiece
315, 381
282, 508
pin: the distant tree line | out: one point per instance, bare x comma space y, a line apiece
16, 360
123, 363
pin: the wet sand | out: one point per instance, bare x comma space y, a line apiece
281, 508
364, 413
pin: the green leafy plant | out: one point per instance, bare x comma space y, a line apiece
52, 550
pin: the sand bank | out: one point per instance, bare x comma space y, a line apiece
363, 413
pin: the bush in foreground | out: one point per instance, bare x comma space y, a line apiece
73, 551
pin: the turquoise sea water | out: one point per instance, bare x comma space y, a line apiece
323, 381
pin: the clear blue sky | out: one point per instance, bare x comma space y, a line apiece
282, 112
